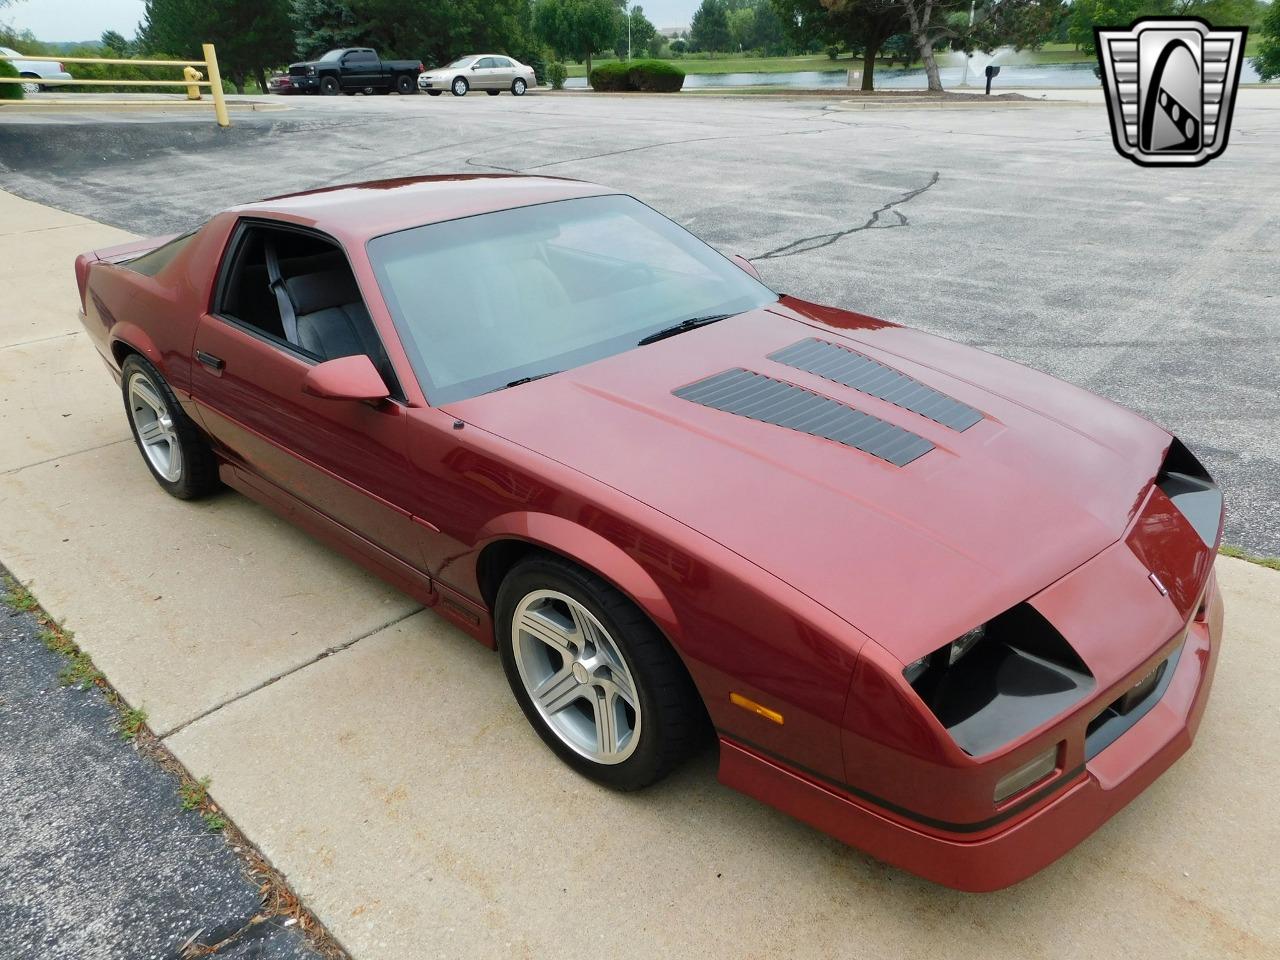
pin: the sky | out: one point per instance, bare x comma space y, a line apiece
58, 20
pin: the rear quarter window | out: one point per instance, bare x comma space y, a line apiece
149, 264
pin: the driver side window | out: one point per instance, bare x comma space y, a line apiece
296, 289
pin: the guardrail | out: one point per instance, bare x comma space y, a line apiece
210, 63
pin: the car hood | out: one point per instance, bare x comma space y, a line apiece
911, 555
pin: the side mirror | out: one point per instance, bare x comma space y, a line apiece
746, 265
346, 378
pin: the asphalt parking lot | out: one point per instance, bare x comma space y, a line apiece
374, 754
1017, 230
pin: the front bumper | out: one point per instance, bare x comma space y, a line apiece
305, 84
1020, 846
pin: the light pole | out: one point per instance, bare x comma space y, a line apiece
627, 9
968, 54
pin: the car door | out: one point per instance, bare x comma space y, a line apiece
361, 69
482, 74
504, 72
345, 459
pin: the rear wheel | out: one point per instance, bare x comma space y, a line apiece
460, 86
329, 86
31, 87
518, 86
175, 451
594, 677
405, 85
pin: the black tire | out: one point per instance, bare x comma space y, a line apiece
493, 93
329, 87
673, 716
518, 87
405, 85
434, 93
199, 470
459, 87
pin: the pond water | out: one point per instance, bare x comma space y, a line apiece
1048, 75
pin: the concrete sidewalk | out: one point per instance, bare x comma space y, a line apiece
376, 757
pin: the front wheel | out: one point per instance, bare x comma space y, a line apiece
175, 451
31, 87
460, 86
518, 86
329, 86
594, 677
405, 85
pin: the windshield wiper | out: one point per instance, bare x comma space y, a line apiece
516, 383
691, 324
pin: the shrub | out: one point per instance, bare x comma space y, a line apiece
9, 91
649, 76
609, 76
655, 76
556, 74
833, 53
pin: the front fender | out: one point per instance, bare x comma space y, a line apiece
592, 551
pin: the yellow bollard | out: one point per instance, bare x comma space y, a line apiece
215, 86
191, 74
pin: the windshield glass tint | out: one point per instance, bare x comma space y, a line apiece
489, 299
465, 61
333, 54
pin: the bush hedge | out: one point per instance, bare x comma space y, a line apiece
9, 91
556, 74
647, 76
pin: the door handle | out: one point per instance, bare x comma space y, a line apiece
209, 360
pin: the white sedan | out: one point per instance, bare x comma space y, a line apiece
489, 72
42, 72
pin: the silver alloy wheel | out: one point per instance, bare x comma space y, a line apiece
32, 87
576, 676
156, 431
518, 87
460, 87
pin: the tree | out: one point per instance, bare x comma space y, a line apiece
1087, 14
709, 29
320, 25
576, 28
860, 25
115, 44
250, 35
642, 31
1267, 62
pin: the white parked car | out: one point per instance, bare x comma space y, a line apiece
489, 72
42, 72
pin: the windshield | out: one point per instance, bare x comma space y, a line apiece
333, 55
486, 300
464, 62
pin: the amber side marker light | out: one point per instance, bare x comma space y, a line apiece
759, 709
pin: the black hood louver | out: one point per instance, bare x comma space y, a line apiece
852, 369
1188, 484
758, 397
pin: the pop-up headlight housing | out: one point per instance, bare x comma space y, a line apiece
1000, 680
1192, 490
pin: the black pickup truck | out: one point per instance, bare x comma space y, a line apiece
352, 70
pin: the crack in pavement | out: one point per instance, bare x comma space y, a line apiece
336, 648
818, 241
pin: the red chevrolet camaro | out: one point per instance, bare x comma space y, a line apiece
943, 607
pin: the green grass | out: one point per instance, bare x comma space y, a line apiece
194, 793
132, 721
1271, 563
